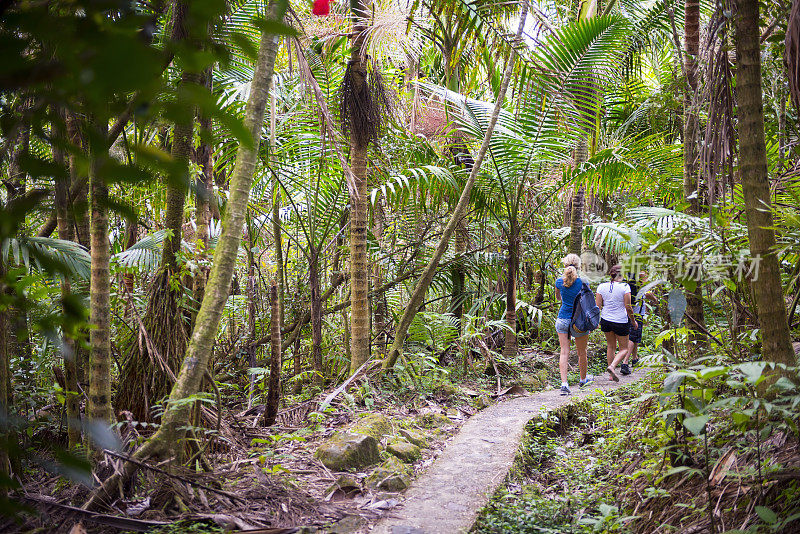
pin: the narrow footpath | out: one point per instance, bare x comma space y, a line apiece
447, 497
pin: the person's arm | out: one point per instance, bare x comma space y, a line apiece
558, 294
598, 299
629, 310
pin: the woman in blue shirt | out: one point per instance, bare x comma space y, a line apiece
567, 288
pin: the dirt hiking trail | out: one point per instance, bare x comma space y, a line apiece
447, 497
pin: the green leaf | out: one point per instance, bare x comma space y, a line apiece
766, 515
752, 371
696, 425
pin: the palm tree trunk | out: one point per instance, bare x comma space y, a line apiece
71, 396
274, 389
316, 317
195, 364
380, 314
359, 278
99, 293
425, 279
576, 210
691, 140
511, 345
767, 286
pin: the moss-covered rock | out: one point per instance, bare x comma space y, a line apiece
392, 475
529, 381
408, 452
433, 420
415, 437
446, 389
374, 424
348, 450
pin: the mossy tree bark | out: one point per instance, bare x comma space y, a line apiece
198, 353
767, 287
424, 282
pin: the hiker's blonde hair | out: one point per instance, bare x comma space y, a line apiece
572, 262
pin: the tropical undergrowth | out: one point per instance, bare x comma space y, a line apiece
692, 448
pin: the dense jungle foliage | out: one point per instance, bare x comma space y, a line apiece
225, 209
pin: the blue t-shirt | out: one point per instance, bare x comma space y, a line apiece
568, 295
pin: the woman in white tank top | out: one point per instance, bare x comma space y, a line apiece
616, 317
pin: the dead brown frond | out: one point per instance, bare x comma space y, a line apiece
718, 151
792, 56
364, 103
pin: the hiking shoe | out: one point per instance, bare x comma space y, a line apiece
613, 375
624, 369
634, 362
586, 381
565, 390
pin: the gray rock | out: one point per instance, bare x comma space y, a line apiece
347, 450
349, 524
408, 452
415, 437
374, 424
392, 475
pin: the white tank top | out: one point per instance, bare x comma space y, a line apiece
613, 294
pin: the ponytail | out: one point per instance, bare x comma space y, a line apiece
571, 265
570, 275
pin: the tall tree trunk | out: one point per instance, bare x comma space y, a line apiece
78, 222
380, 312
274, 390
150, 367
425, 279
316, 317
691, 141
576, 210
151, 364
359, 271
767, 286
5, 427
195, 364
99, 291
458, 271
203, 202
71, 395
510, 348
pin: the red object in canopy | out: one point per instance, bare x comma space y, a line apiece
321, 8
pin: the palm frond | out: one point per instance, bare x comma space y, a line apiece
47, 255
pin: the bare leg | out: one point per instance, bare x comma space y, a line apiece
563, 361
583, 361
623, 352
631, 351
611, 343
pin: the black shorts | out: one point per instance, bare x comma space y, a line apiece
636, 333
621, 329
